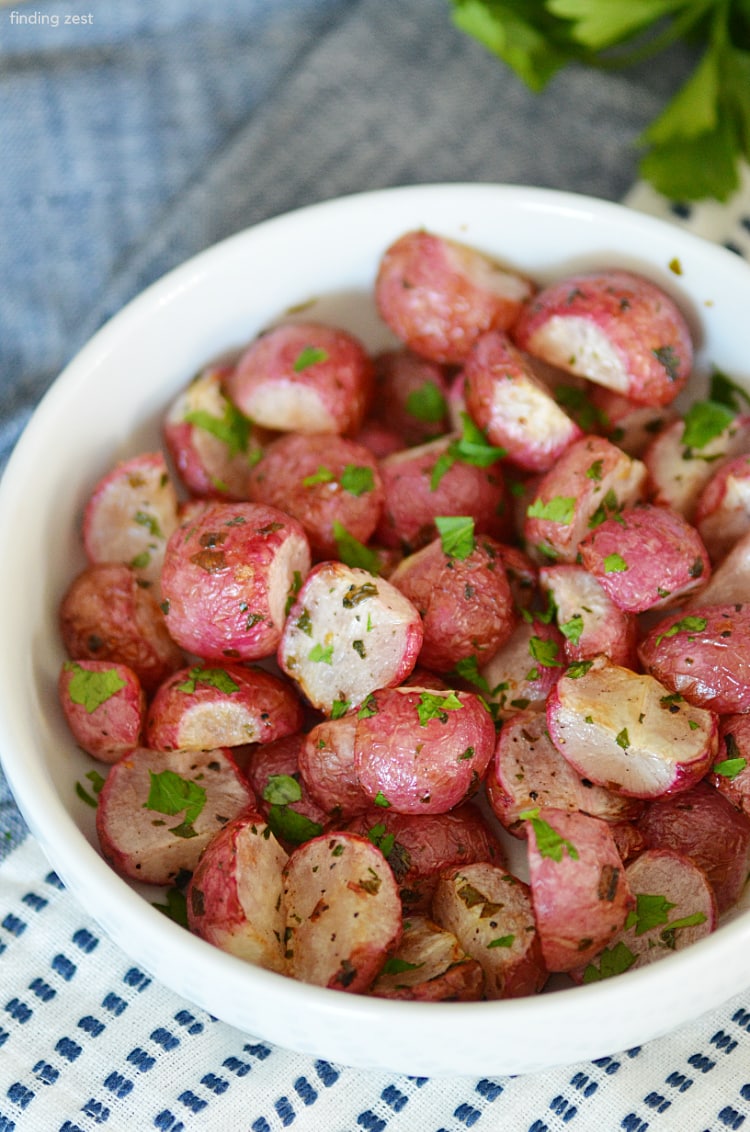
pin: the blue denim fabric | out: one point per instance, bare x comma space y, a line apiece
136, 137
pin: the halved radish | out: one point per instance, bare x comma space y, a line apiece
626, 731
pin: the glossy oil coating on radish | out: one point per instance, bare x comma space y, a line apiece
348, 633
438, 295
228, 573
626, 731
490, 913
703, 825
646, 557
429, 965
527, 770
429, 480
589, 620
578, 886
202, 707
106, 615
512, 405
463, 597
104, 706
321, 480
675, 906
130, 515
592, 480
303, 377
235, 896
615, 328
326, 763
212, 444
343, 912
419, 847
420, 751
158, 810
704, 655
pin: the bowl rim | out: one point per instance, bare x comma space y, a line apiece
110, 901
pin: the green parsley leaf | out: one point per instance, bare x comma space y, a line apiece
558, 510
545, 652
594, 472
578, 669
729, 768
612, 961
97, 782
172, 794
427, 403
688, 624
614, 564
352, 552
472, 448
175, 907
280, 789
456, 535
232, 428
381, 800
288, 825
322, 475
549, 842
321, 654
435, 705
92, 689
623, 739
502, 941
650, 912
573, 629
357, 479
368, 708
380, 839
339, 708
726, 392
396, 966
468, 669
212, 677
704, 421
310, 356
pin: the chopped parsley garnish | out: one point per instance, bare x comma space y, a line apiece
650, 912
396, 966
427, 403
612, 961
368, 707
730, 768
456, 535
212, 677
471, 448
310, 356
468, 669
352, 552
545, 652
357, 479
97, 782
289, 825
614, 564
560, 509
322, 475
232, 428
573, 628
549, 842
704, 421
321, 654
502, 941
578, 669
667, 357
433, 705
172, 794
175, 907
339, 708
280, 789
684, 625
380, 839
726, 392
91, 689
623, 739
381, 800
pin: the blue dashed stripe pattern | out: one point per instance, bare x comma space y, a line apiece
89, 1041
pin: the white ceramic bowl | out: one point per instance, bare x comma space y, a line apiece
107, 404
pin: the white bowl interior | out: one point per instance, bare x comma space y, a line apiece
107, 404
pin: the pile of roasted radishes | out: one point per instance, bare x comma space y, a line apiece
365, 613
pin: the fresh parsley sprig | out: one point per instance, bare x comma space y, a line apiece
693, 149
